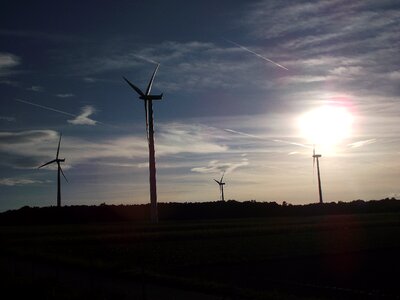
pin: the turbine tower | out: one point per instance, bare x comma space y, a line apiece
316, 158
59, 170
221, 186
148, 107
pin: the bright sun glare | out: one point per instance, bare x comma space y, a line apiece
326, 126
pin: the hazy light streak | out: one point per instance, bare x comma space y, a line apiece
256, 54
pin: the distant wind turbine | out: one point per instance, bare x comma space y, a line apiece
148, 107
221, 186
59, 170
316, 159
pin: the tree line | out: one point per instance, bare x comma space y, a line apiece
190, 211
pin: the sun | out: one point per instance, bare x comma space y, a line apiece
326, 126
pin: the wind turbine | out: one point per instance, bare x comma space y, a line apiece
316, 158
221, 186
148, 107
59, 170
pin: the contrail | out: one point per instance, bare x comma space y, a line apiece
56, 110
46, 107
265, 139
258, 55
242, 133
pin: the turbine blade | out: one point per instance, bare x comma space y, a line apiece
148, 90
58, 148
216, 181
63, 174
313, 163
222, 176
134, 87
50, 162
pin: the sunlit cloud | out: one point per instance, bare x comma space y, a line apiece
83, 118
181, 138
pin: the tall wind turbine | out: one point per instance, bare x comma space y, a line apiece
221, 186
316, 158
59, 170
148, 107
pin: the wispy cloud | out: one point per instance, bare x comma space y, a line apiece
66, 95
25, 149
8, 119
242, 133
19, 181
191, 66
83, 118
181, 138
7, 62
36, 88
354, 48
216, 166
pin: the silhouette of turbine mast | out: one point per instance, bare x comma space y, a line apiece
221, 186
316, 158
148, 107
59, 170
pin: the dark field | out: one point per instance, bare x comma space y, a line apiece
317, 257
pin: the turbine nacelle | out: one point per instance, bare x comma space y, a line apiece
146, 96
151, 97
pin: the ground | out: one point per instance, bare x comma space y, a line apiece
318, 257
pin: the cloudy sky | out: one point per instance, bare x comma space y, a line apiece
249, 87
